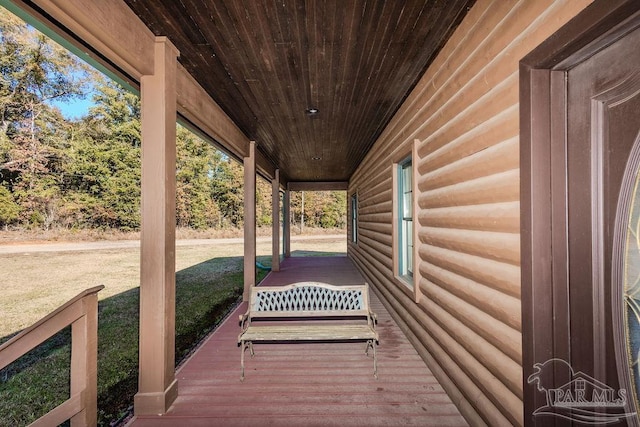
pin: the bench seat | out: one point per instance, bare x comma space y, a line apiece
309, 333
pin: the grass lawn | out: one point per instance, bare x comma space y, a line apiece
208, 284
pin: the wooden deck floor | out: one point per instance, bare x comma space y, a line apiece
308, 384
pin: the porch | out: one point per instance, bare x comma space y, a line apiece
308, 384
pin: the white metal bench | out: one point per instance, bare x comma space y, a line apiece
308, 301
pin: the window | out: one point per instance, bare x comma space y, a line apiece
405, 219
354, 218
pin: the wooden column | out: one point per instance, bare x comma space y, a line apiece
249, 221
286, 229
275, 230
157, 386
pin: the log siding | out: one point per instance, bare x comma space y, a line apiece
461, 124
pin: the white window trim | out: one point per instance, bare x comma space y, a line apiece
406, 281
411, 285
405, 235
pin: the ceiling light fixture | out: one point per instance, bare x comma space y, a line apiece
312, 111
316, 158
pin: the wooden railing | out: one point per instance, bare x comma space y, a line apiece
82, 314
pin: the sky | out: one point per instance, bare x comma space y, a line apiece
73, 108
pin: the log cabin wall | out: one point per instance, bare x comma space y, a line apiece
461, 124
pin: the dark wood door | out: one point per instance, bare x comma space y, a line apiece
603, 121
580, 131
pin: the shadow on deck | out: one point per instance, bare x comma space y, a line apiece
308, 384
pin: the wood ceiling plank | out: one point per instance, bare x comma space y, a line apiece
265, 62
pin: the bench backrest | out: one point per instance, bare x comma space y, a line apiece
309, 299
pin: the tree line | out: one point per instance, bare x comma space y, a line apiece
85, 172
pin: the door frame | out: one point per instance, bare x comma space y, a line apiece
543, 186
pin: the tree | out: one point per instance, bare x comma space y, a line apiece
264, 216
102, 180
322, 209
9, 209
33, 72
227, 189
195, 160
334, 210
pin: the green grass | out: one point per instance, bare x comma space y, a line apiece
38, 381
208, 284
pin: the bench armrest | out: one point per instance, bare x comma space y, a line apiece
243, 320
372, 319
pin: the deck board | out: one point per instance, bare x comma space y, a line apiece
308, 384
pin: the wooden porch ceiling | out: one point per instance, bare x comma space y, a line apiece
267, 62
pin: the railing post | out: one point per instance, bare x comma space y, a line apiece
84, 362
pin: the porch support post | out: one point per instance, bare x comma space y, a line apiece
249, 221
157, 386
275, 230
287, 223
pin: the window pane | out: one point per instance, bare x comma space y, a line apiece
631, 290
405, 220
409, 247
407, 196
406, 169
406, 206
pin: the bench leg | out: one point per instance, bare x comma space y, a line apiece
372, 344
375, 360
243, 346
